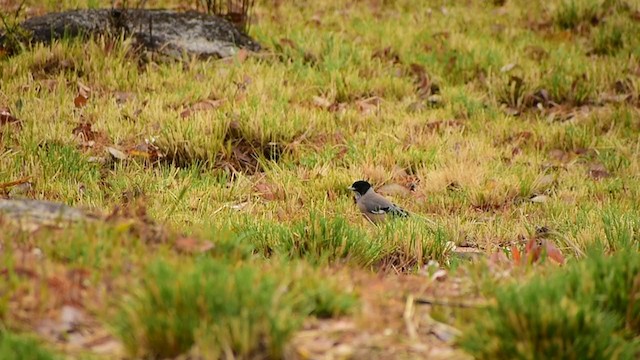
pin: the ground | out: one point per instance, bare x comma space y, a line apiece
508, 129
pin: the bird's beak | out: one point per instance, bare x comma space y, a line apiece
351, 188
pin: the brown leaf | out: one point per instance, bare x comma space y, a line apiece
190, 245
83, 95
203, 105
598, 172
321, 102
266, 191
123, 96
9, 184
80, 101
386, 54
369, 105
6, 117
84, 132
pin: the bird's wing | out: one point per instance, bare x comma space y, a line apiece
377, 204
393, 210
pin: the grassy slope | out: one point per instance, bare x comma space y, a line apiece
336, 93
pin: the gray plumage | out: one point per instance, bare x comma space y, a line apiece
374, 206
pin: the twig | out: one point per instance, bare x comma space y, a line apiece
433, 302
409, 310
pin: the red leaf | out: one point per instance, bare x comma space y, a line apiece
553, 252
515, 253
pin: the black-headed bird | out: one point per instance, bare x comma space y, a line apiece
374, 207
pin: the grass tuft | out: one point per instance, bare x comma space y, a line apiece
589, 311
241, 310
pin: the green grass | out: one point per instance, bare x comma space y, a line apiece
588, 311
221, 308
18, 347
534, 124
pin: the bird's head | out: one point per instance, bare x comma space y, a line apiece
361, 187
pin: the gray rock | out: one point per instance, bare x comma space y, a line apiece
33, 214
165, 31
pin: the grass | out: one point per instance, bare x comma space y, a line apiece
243, 310
588, 311
14, 347
495, 120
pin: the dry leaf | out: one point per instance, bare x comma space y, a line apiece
266, 192
83, 95
508, 67
147, 150
84, 132
6, 117
242, 55
9, 184
116, 153
80, 101
321, 102
369, 105
122, 97
539, 199
598, 172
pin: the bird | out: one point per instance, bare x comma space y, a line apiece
374, 206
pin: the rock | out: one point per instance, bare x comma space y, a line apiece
165, 31
33, 214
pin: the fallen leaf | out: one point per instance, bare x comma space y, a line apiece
84, 132
123, 97
508, 67
147, 150
203, 105
598, 172
539, 199
190, 245
80, 100
7, 118
15, 182
116, 153
369, 105
386, 54
266, 191
83, 95
321, 102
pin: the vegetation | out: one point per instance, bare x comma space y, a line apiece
225, 228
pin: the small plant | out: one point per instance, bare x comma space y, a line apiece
12, 36
321, 240
608, 39
571, 13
